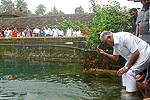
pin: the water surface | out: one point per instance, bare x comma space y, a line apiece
45, 80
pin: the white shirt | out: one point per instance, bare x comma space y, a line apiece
125, 44
78, 33
69, 32
48, 31
6, 32
23, 34
61, 32
74, 33
36, 30
55, 32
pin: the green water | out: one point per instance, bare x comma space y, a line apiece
44, 80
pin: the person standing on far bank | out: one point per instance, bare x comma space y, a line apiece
36, 31
134, 13
28, 32
142, 22
142, 30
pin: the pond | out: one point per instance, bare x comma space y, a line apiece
47, 80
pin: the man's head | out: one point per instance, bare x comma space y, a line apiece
133, 12
12, 28
3, 28
7, 28
15, 28
106, 38
46, 26
145, 3
27, 27
37, 26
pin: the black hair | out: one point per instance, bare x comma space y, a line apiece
133, 9
12, 27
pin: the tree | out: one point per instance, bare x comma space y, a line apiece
79, 10
22, 6
94, 3
110, 17
61, 13
40, 10
54, 11
6, 5
30, 13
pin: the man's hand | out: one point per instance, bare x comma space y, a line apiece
100, 51
122, 71
109, 56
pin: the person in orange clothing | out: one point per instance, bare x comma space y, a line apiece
11, 32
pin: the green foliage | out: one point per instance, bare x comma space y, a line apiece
22, 5
93, 2
65, 23
79, 10
30, 13
54, 11
110, 17
6, 5
40, 10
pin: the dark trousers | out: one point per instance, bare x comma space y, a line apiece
148, 74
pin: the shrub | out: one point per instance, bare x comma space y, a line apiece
110, 17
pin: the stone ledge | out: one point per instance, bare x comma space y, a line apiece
145, 89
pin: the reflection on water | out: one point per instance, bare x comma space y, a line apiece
43, 80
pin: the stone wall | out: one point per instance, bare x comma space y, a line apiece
56, 49
94, 60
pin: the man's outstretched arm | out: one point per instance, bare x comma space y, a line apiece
109, 56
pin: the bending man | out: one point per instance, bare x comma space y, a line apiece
133, 49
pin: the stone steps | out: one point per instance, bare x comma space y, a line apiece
145, 89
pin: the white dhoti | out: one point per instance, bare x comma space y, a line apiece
129, 78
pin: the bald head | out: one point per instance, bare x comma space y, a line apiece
105, 34
106, 38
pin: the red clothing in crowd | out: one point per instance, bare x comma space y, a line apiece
2, 33
15, 33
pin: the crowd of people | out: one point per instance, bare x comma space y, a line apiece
42, 32
135, 48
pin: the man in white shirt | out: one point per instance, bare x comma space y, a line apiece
48, 31
133, 49
6, 32
60, 32
79, 33
36, 31
55, 32
69, 32
74, 33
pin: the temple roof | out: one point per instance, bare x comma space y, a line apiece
22, 22
13, 13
